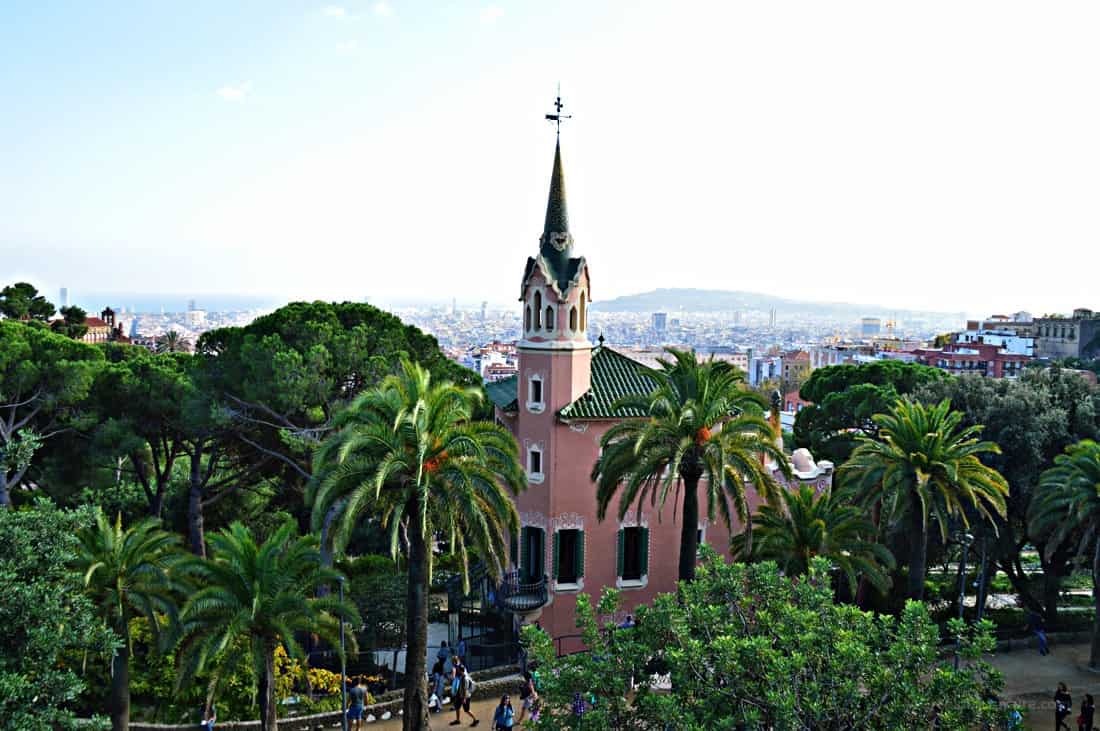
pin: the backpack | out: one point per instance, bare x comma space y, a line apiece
469, 686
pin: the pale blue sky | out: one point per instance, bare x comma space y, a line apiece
942, 155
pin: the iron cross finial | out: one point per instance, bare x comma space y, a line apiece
557, 117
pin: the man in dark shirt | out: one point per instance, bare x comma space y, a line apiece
357, 703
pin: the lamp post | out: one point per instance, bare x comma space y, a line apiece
963, 539
343, 669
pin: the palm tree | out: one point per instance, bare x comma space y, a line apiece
923, 466
129, 573
409, 453
172, 342
807, 525
258, 596
1068, 508
701, 427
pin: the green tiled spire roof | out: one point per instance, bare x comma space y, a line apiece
556, 243
613, 376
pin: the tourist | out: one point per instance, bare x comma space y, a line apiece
357, 702
1063, 704
438, 680
1035, 624
462, 651
1088, 709
443, 652
627, 623
503, 717
463, 694
528, 695
208, 717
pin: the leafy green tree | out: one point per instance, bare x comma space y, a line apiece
141, 399
1033, 419
45, 618
805, 525
262, 596
410, 452
282, 378
72, 323
923, 466
744, 647
701, 428
845, 399
1067, 509
21, 301
44, 381
128, 573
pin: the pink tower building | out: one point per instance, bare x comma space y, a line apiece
558, 406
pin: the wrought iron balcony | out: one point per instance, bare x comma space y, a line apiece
522, 596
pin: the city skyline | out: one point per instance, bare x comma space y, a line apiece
336, 150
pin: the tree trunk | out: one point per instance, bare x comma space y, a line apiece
156, 508
1052, 592
415, 716
918, 554
195, 529
1094, 653
120, 686
5, 494
268, 721
689, 530
863, 592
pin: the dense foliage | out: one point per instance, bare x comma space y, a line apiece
746, 647
48, 625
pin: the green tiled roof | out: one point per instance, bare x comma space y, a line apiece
504, 392
613, 376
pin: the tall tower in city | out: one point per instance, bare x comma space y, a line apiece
64, 298
484, 308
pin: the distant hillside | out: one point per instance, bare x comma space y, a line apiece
717, 300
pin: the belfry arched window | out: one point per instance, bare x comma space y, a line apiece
549, 318
527, 318
538, 310
584, 313
573, 319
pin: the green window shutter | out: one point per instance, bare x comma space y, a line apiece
554, 557
513, 549
540, 570
524, 548
645, 551
619, 553
580, 553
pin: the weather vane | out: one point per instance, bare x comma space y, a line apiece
557, 117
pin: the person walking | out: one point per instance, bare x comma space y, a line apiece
1088, 710
357, 703
463, 694
1035, 624
1063, 705
503, 716
209, 716
444, 652
527, 695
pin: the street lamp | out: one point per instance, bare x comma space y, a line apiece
964, 540
344, 669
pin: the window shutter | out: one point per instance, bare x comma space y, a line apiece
513, 549
554, 557
645, 551
540, 570
619, 553
524, 549
580, 553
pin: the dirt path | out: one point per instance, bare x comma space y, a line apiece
1030, 680
483, 709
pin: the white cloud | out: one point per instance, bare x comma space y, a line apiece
491, 14
346, 47
383, 9
237, 93
334, 11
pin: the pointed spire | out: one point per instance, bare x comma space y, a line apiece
556, 243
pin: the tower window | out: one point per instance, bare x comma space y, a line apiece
527, 318
549, 318
535, 402
538, 310
573, 319
534, 464
583, 313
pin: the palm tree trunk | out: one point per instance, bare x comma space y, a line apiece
863, 592
416, 625
196, 533
268, 721
120, 686
1094, 653
689, 530
918, 555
